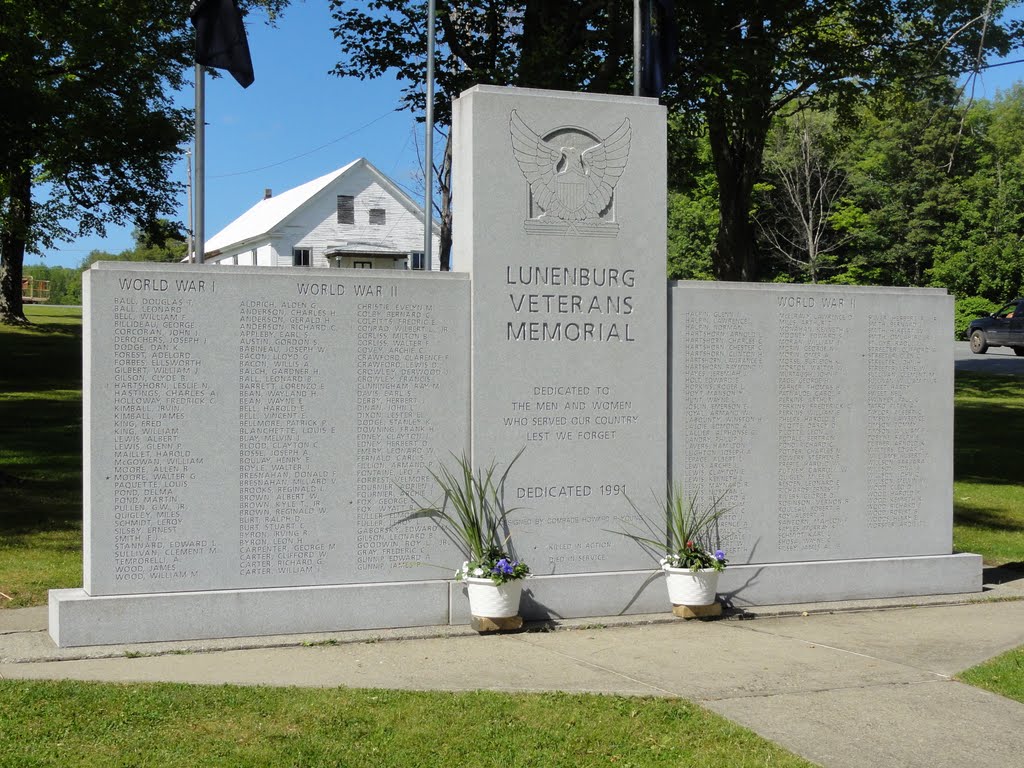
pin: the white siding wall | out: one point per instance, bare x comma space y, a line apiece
242, 255
316, 225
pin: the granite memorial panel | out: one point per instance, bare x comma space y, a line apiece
256, 428
824, 413
561, 211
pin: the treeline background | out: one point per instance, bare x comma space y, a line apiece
904, 191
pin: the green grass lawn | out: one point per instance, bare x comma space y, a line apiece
988, 493
40, 455
1003, 675
71, 724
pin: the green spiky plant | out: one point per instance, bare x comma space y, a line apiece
473, 516
684, 532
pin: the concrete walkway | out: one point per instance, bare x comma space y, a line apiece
845, 685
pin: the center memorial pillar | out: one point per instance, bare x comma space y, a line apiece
560, 217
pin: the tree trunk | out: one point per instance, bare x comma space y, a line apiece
737, 148
444, 181
15, 222
735, 256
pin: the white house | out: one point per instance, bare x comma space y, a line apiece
353, 217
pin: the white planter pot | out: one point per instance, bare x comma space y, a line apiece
686, 587
493, 601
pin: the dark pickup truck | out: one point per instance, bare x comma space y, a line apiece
1003, 328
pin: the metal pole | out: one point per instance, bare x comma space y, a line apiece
200, 201
428, 197
636, 47
191, 222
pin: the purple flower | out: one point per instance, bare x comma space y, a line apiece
503, 566
719, 554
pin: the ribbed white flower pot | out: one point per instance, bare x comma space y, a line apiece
686, 587
493, 601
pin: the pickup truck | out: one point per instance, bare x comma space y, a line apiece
1002, 328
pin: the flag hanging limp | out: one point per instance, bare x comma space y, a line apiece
660, 41
220, 38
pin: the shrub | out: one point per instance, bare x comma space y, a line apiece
967, 309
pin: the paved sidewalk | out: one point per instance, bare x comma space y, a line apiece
844, 687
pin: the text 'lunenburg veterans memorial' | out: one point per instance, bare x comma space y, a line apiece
251, 434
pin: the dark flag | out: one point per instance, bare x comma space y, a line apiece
220, 38
660, 41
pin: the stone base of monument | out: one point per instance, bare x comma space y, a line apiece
486, 626
575, 596
697, 611
77, 618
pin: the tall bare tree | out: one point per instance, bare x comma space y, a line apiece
804, 165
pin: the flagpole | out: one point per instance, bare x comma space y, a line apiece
636, 47
200, 175
189, 252
428, 196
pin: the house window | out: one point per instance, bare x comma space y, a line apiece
300, 257
377, 216
346, 209
362, 264
416, 257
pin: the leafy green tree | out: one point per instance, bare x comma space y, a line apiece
967, 309
908, 162
981, 248
745, 61
692, 203
90, 130
742, 62
560, 44
64, 283
163, 242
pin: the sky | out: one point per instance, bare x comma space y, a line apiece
297, 122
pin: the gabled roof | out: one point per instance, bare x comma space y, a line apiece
268, 214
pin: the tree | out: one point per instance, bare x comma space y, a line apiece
981, 248
65, 283
745, 61
561, 44
804, 165
742, 62
905, 179
692, 203
94, 134
90, 131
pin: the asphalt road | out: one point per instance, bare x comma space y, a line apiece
996, 360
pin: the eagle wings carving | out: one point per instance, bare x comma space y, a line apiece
570, 182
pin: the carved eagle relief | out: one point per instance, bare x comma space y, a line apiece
572, 179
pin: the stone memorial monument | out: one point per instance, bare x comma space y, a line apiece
249, 433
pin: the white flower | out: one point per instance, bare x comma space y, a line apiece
478, 571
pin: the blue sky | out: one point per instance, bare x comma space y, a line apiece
297, 122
